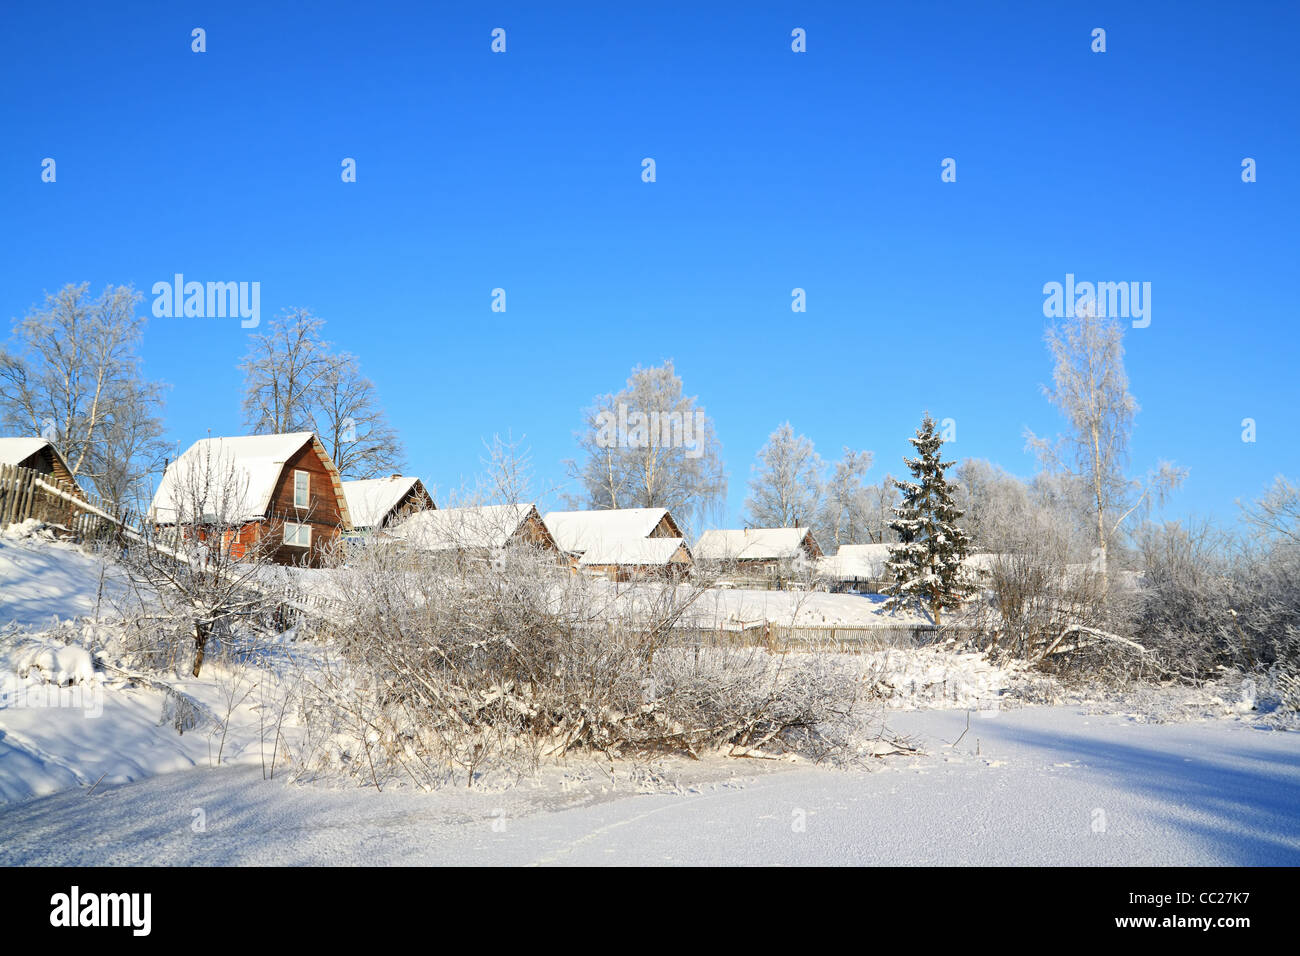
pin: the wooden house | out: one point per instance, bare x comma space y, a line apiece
766, 555
577, 532
376, 503
274, 495
638, 559
481, 531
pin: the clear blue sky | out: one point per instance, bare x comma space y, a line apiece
775, 170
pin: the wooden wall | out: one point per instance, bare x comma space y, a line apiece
323, 511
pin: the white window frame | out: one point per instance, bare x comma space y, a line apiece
293, 531
306, 488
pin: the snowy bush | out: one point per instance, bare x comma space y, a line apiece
449, 663
1206, 604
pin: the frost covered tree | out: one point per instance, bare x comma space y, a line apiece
74, 376
1090, 388
786, 489
847, 501
353, 425
294, 381
197, 569
650, 446
926, 566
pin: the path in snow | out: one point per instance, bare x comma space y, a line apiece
1048, 786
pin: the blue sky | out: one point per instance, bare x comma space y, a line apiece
775, 170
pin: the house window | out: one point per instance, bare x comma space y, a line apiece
301, 489
297, 535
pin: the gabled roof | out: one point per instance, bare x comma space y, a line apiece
856, 561
752, 544
486, 526
255, 462
578, 531
634, 552
371, 499
16, 450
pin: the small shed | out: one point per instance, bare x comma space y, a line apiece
40, 456
21, 497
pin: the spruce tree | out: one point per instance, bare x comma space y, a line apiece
926, 567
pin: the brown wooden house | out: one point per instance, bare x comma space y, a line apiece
759, 556
274, 495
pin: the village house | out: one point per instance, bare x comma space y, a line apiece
376, 503
769, 555
608, 541
855, 567
277, 496
638, 559
480, 531
577, 531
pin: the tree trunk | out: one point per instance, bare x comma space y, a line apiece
201, 631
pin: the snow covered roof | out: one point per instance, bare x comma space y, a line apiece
237, 475
16, 450
637, 552
578, 531
751, 544
371, 499
486, 526
855, 561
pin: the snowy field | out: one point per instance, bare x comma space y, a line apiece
1008, 768
1036, 786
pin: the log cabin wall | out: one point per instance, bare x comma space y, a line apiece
666, 528
322, 513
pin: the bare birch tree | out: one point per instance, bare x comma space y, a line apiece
353, 425
846, 510
1090, 389
75, 377
295, 382
284, 370
651, 446
786, 489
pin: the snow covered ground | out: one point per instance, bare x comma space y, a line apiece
1036, 786
95, 772
41, 578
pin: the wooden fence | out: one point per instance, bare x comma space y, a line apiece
26, 493
847, 639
